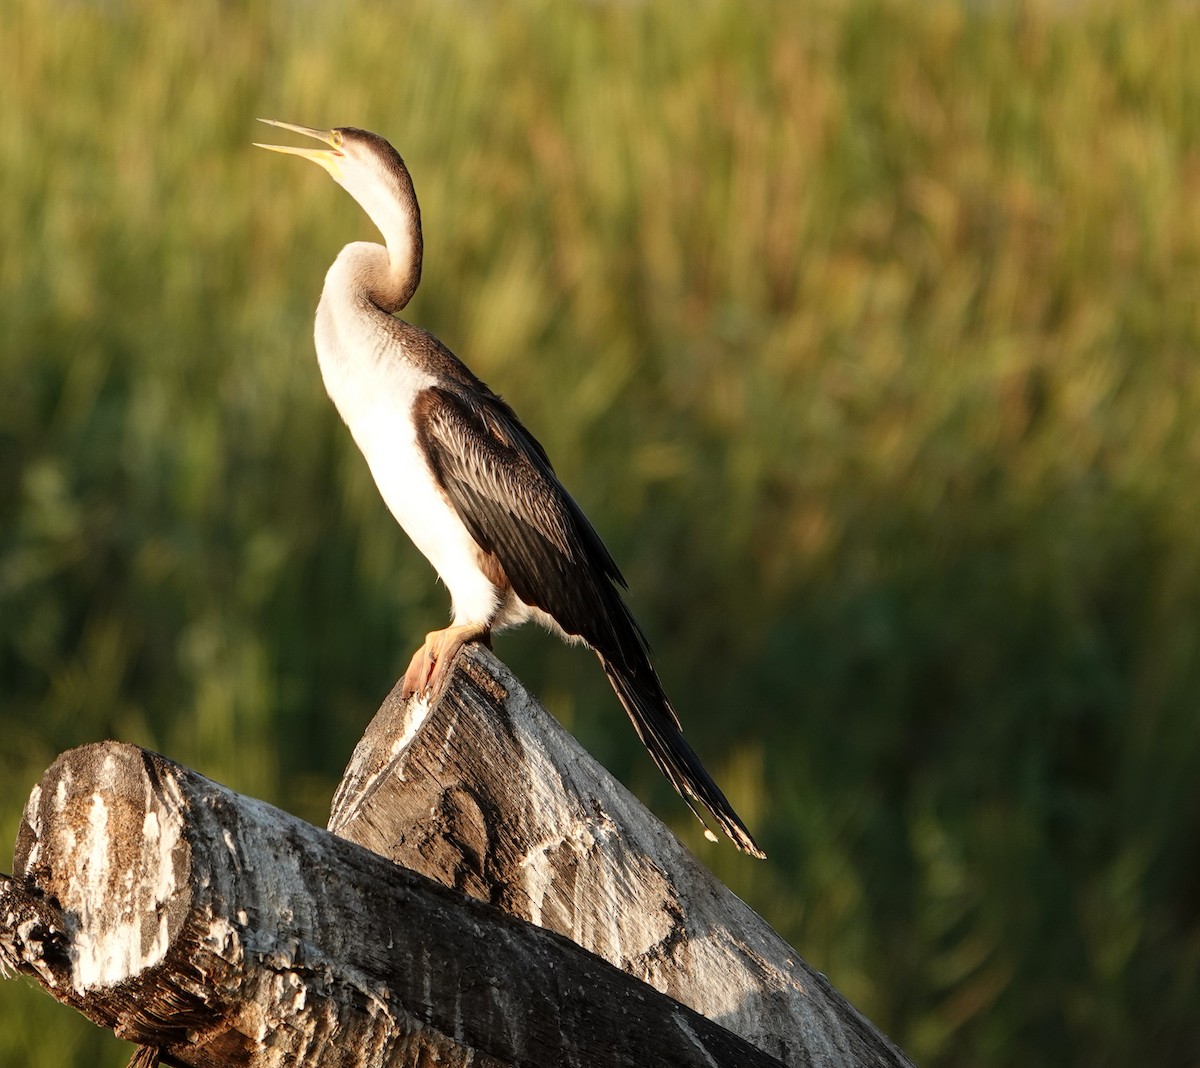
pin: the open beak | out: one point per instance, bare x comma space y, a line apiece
325, 157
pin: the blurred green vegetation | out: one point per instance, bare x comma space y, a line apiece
866, 332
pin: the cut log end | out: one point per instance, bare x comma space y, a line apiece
213, 929
98, 815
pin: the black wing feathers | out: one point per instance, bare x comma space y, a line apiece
500, 482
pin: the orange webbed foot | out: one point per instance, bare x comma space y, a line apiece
430, 664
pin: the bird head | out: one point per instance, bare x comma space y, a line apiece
366, 166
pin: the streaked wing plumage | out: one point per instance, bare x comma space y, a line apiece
500, 482
498, 478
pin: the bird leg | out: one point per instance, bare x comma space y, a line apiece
429, 665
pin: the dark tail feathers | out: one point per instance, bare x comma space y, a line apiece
658, 727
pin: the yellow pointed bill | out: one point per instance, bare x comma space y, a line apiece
325, 157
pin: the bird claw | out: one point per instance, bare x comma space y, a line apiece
430, 663
420, 672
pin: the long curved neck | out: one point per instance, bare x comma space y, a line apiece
394, 210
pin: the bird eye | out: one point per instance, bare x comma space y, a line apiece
336, 139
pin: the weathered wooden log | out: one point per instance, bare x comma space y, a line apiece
483, 791
219, 931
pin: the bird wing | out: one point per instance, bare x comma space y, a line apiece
500, 482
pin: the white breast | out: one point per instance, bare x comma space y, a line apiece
374, 386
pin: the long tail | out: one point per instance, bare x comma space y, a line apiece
658, 727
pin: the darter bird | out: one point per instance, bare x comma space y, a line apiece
468, 483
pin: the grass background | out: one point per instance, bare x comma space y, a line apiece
867, 333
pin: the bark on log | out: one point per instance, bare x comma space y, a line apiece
482, 790
223, 932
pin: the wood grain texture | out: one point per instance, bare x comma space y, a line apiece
480, 789
214, 929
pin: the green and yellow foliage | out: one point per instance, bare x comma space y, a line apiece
867, 333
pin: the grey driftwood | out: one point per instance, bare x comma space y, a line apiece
477, 852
